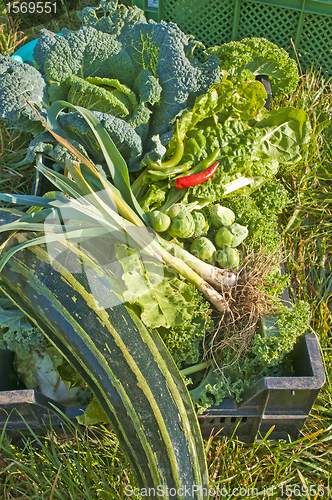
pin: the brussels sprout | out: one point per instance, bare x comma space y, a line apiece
204, 249
228, 258
221, 216
239, 233
159, 221
182, 222
201, 224
224, 237
175, 210
231, 236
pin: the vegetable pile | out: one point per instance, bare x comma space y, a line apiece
189, 170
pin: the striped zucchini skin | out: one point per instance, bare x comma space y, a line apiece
128, 368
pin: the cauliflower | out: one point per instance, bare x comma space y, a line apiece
38, 364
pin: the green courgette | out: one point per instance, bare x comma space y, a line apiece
127, 366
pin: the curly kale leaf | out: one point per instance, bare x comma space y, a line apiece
111, 97
20, 81
140, 123
122, 54
215, 387
154, 60
268, 357
288, 326
16, 333
147, 87
271, 198
259, 213
185, 340
45, 44
151, 63
45, 144
243, 60
101, 94
163, 48
42, 143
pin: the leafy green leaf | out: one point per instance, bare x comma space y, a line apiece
185, 340
76, 53
164, 299
93, 414
285, 129
121, 51
68, 374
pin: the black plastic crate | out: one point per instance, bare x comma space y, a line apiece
282, 402
21, 409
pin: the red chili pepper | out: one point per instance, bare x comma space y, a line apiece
194, 179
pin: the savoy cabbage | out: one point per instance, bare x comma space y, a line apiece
18, 81
136, 75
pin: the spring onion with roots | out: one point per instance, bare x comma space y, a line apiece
95, 206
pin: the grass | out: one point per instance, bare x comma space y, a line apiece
307, 227
11, 37
13, 178
68, 463
86, 463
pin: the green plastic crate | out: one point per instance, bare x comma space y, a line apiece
306, 23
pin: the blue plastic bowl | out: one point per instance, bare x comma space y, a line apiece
25, 53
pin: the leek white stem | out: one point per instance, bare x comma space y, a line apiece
190, 275
141, 236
